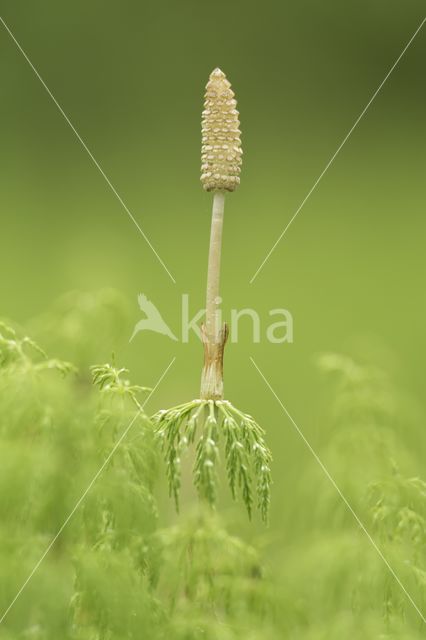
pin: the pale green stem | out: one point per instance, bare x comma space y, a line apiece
213, 271
214, 336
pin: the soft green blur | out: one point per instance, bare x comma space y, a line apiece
130, 76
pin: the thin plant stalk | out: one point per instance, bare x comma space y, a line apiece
213, 272
214, 337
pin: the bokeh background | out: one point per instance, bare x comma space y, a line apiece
130, 76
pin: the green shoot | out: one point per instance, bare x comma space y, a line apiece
247, 457
109, 379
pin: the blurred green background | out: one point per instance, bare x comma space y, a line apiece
131, 76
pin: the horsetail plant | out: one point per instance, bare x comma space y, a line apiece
213, 418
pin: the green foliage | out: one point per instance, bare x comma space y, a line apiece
42, 473
109, 379
213, 580
117, 519
24, 353
115, 574
111, 574
246, 454
339, 585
